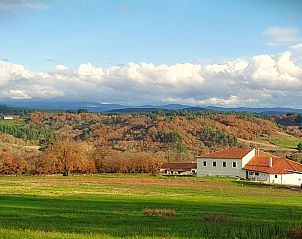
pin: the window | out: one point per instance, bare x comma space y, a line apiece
276, 176
256, 173
214, 164
251, 173
204, 163
224, 164
234, 164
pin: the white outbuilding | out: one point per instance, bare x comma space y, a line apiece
8, 117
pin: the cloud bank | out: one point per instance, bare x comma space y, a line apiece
279, 35
260, 81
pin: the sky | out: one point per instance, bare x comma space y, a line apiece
225, 53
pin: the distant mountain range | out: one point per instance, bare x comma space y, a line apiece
118, 108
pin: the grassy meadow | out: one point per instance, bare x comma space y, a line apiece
287, 143
112, 206
8, 122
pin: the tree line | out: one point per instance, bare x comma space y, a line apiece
72, 157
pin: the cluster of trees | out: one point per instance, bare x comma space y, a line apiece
11, 163
213, 136
166, 137
291, 123
28, 133
4, 109
289, 119
71, 157
11, 110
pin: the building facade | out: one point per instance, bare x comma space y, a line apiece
252, 164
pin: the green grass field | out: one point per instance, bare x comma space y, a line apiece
111, 206
8, 122
285, 143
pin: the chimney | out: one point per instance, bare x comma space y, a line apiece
257, 151
270, 162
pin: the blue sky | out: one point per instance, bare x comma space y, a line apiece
159, 31
58, 37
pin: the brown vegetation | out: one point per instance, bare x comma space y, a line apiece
182, 134
215, 218
11, 164
160, 212
295, 232
71, 157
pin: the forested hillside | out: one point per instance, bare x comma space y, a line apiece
178, 130
87, 142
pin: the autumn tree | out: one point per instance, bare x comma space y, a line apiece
11, 164
69, 156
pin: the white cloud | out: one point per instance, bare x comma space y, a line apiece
275, 73
296, 49
17, 94
232, 101
279, 35
22, 4
262, 80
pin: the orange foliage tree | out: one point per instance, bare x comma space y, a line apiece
11, 164
69, 156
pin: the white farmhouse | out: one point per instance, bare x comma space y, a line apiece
252, 164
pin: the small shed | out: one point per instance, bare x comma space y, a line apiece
179, 168
8, 117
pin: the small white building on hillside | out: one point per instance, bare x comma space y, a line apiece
8, 117
252, 164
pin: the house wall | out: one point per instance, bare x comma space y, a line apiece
287, 179
248, 157
263, 177
219, 170
278, 180
284, 179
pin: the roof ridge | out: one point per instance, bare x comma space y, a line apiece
228, 149
230, 153
292, 161
268, 153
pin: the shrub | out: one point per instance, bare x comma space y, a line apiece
215, 218
160, 212
11, 164
295, 232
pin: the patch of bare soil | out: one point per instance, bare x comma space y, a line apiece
192, 183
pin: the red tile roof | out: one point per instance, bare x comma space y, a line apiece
231, 153
279, 166
179, 166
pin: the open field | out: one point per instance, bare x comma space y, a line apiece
284, 141
277, 142
8, 122
111, 206
287, 143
